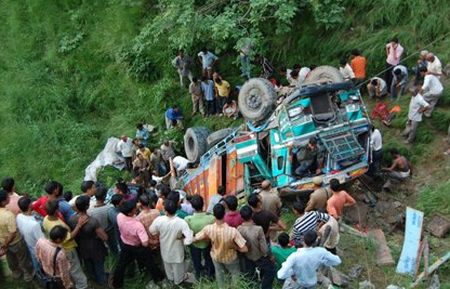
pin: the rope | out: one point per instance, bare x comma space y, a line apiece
404, 59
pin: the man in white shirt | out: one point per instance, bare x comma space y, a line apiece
125, 147
174, 234
29, 228
431, 90
180, 163
434, 65
302, 74
376, 143
346, 70
207, 59
376, 87
417, 107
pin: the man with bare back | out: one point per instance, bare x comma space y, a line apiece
398, 171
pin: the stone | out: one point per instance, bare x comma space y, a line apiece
355, 271
338, 278
366, 285
439, 225
435, 283
384, 256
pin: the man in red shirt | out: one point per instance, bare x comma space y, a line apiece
232, 216
54, 191
339, 200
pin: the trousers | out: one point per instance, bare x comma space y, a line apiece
223, 269
19, 261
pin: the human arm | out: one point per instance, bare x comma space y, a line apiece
262, 243
202, 235
187, 233
349, 201
311, 203
82, 220
239, 241
325, 235
286, 270
101, 234
329, 259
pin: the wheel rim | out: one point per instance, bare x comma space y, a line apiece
254, 101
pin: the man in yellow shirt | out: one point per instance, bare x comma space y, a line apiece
69, 245
223, 89
12, 244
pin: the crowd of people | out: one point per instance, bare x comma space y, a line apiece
67, 239
150, 225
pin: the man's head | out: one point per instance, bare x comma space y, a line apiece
25, 204
246, 213
423, 54
219, 212
121, 187
298, 208
117, 200
310, 238
355, 52
174, 196
394, 152
294, 74
58, 234
283, 240
423, 71
194, 79
197, 203
430, 57
397, 71
181, 53
140, 156
170, 207
374, 81
176, 108
231, 202
312, 143
51, 207
82, 203
128, 208
218, 80
144, 201
100, 194
88, 188
266, 185
343, 62
204, 50
394, 40
335, 186
8, 184
124, 138
54, 188
4, 198
221, 190
317, 180
68, 195
254, 201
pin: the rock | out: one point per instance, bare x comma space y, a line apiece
384, 256
338, 278
366, 285
355, 271
439, 225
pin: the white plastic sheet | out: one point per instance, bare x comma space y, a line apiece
107, 157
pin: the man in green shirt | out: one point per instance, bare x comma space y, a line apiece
200, 249
282, 251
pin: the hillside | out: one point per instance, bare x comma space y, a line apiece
73, 73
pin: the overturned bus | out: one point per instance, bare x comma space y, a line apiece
325, 109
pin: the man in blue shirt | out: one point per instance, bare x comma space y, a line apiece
300, 268
208, 92
142, 134
174, 117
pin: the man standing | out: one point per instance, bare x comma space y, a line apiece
305, 222
346, 70
125, 147
167, 151
394, 52
12, 244
53, 260
173, 233
134, 245
421, 62
225, 241
258, 252
339, 200
358, 64
195, 89
88, 188
417, 106
431, 91
399, 81
318, 199
269, 196
376, 87
207, 86
54, 191
376, 144
223, 89
300, 268
434, 65
232, 216
208, 60
142, 134
183, 64
216, 199
9, 185
29, 228
266, 219
200, 250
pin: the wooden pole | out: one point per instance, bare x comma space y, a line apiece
432, 268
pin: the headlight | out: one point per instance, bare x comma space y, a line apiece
293, 112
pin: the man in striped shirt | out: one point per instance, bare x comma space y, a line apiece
225, 240
305, 222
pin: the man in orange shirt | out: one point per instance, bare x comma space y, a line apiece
339, 200
358, 64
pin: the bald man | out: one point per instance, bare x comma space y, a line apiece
434, 65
